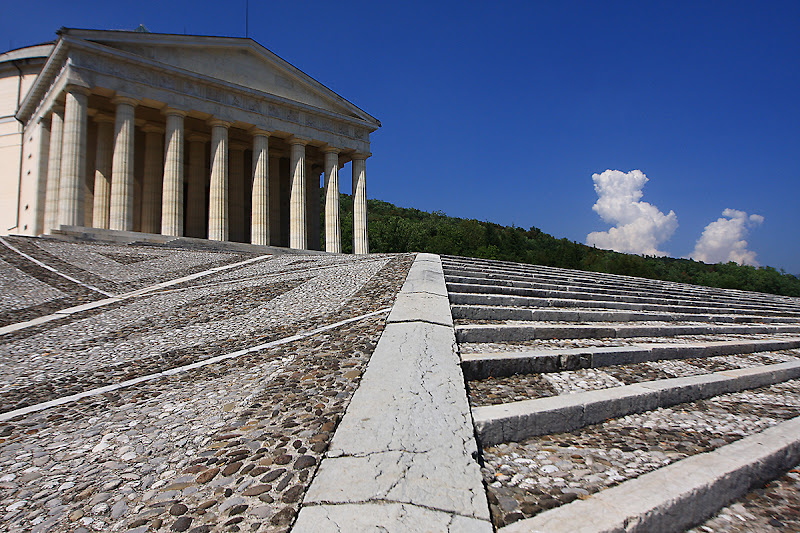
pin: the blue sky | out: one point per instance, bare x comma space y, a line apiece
503, 111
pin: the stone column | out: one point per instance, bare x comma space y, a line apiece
73, 157
122, 187
218, 201
53, 169
297, 198
152, 178
259, 224
360, 241
172, 191
236, 191
333, 228
196, 193
102, 171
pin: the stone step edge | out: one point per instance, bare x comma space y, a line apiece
484, 365
499, 312
475, 298
680, 495
516, 421
607, 289
489, 278
487, 265
575, 295
388, 466
524, 332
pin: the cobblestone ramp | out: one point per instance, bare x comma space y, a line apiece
200, 406
606, 403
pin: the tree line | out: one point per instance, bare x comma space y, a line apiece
394, 229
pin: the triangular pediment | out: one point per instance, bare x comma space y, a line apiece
233, 60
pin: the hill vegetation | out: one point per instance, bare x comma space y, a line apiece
399, 229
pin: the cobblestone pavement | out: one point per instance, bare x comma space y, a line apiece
525, 478
229, 446
30, 291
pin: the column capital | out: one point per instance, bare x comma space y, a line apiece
124, 99
152, 128
294, 139
198, 137
219, 122
328, 149
256, 132
361, 156
174, 111
101, 118
75, 88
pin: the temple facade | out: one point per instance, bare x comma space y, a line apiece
210, 137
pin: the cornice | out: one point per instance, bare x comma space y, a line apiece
77, 63
208, 41
369, 121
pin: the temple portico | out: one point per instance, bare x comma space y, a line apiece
142, 136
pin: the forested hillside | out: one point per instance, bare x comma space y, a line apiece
398, 229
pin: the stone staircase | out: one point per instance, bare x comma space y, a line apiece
612, 403
86, 234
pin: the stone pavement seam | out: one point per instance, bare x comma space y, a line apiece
100, 303
51, 269
108, 388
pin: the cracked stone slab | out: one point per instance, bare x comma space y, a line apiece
384, 517
423, 307
407, 436
426, 276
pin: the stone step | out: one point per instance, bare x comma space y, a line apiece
516, 421
541, 293
83, 234
503, 267
483, 365
488, 312
602, 280
680, 495
525, 332
608, 289
768, 508
503, 300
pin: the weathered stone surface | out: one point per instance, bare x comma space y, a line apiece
407, 417
424, 307
387, 516
407, 435
426, 276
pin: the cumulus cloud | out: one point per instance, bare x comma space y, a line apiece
723, 239
639, 227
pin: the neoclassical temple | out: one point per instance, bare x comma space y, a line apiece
210, 137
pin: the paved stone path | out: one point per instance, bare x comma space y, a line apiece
228, 446
210, 403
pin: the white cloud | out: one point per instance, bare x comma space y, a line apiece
639, 227
723, 239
